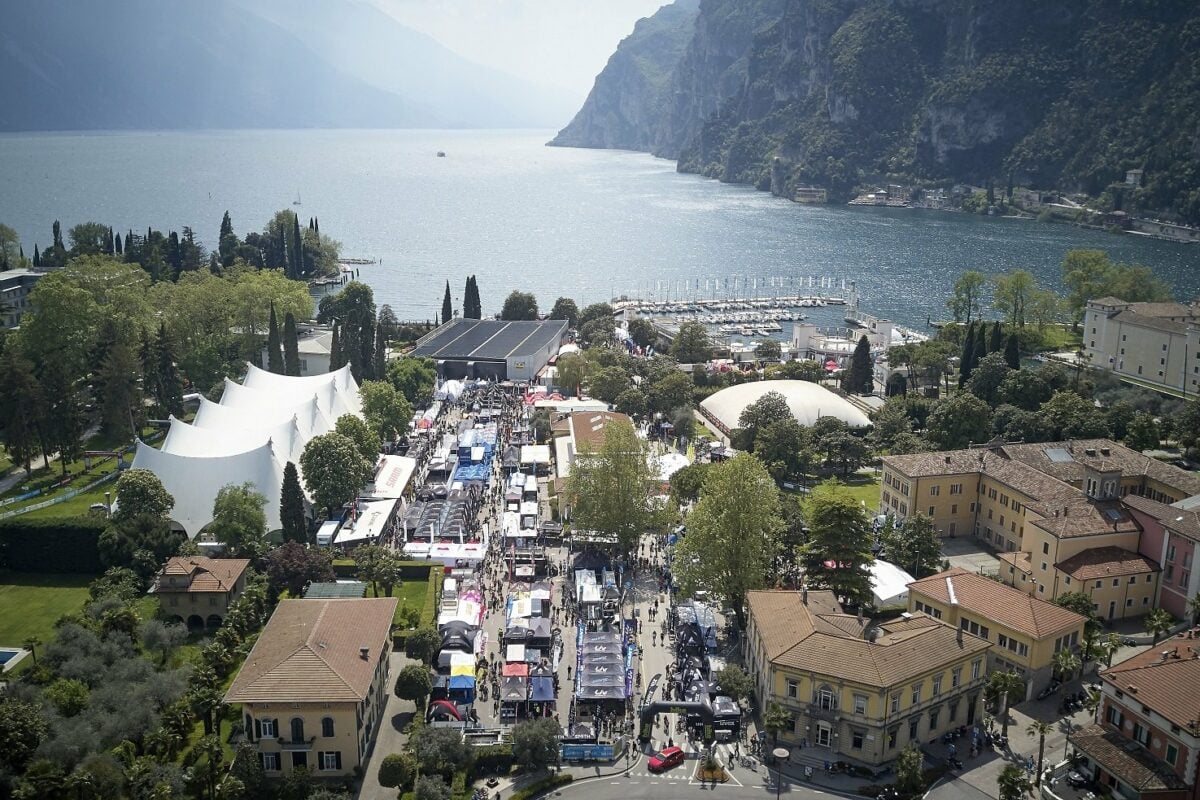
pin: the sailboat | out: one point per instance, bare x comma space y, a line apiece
296, 202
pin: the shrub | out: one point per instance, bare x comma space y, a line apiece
495, 758
65, 544
544, 785
397, 771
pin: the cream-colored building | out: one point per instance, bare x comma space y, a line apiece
1051, 509
1158, 343
857, 690
314, 687
1026, 631
198, 591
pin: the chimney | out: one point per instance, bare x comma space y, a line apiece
804, 594
1133, 690
959, 634
1106, 451
1164, 655
1066, 511
364, 653
860, 615
1091, 451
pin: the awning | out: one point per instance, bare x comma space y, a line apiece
514, 652
541, 690
516, 669
514, 690
462, 682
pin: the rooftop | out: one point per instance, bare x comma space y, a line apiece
1131, 763
1185, 521
208, 574
1166, 678
588, 427
488, 339
1105, 562
995, 601
801, 637
310, 652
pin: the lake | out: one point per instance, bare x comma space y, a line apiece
589, 224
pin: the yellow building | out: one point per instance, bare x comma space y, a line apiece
1026, 631
856, 690
314, 686
198, 591
1042, 505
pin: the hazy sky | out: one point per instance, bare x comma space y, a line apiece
560, 42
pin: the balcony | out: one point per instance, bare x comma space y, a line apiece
293, 745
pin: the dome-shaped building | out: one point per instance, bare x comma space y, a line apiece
807, 401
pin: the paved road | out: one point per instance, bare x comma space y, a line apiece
640, 785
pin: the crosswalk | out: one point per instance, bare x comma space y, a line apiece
685, 772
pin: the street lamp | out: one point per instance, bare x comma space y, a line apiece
780, 754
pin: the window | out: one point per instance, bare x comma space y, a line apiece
931, 511
267, 726
826, 698
793, 688
895, 702
1098, 584
1116, 582
1171, 553
1067, 580
297, 729
953, 710
1114, 717
1183, 578
1172, 754
1132, 580
824, 734
934, 491
856, 739
1168, 573
912, 728
953, 525
956, 677
1141, 734
270, 762
1043, 566
933, 718
937, 685
1045, 548
916, 693
892, 734
860, 704
972, 508
956, 488
976, 666
327, 727
331, 760
954, 508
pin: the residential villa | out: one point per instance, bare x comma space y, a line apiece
1062, 514
1027, 632
198, 591
858, 690
314, 687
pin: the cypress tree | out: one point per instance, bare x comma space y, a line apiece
1012, 351
335, 350
380, 363
291, 506
317, 225
110, 247
981, 349
284, 261
997, 340
274, 349
170, 386
858, 378
148, 355
117, 243
965, 364
37, 258
298, 246
447, 308
291, 346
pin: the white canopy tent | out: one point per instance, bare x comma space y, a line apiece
310, 420
290, 385
889, 585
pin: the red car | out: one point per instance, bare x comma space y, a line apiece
670, 757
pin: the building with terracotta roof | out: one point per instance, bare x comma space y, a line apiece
198, 591
1026, 631
313, 688
1170, 537
1157, 343
856, 690
1042, 505
1146, 741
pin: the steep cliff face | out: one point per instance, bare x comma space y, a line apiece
1061, 94
624, 107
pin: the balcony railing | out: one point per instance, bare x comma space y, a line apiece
297, 744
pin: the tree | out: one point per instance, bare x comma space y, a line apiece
834, 441
910, 772
607, 383
439, 750
1012, 292
120, 395
139, 491
691, 345
987, 377
1067, 415
965, 302
959, 420
785, 447
733, 682
292, 517
336, 357
770, 407
366, 440
565, 308
239, 521
672, 391
858, 378
535, 743
22, 729
996, 338
1159, 622
687, 482
274, 345
291, 346
1143, 433
1023, 388
1012, 351
227, 242
888, 423
10, 248
431, 787
414, 378
632, 402
1008, 689
1012, 783
388, 414
397, 770
776, 720
68, 696
141, 542
163, 637
414, 683
838, 553
519, 306
447, 305
22, 408
334, 470
292, 566
1065, 664
799, 370
768, 350
472, 308
375, 564
915, 545
607, 488
966, 359
423, 644
642, 331
732, 533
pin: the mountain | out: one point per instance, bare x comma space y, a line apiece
629, 93
1053, 94
178, 64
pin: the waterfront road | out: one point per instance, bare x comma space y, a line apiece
638, 784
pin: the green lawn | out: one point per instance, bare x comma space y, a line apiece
410, 593
77, 506
864, 488
33, 602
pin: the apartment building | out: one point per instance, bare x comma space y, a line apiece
1026, 632
1171, 537
1056, 512
15, 286
858, 690
1146, 740
1157, 343
313, 689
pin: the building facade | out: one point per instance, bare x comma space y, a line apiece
1026, 632
856, 690
15, 286
1146, 738
198, 591
1157, 343
313, 689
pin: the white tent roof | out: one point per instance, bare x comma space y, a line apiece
187, 440
667, 464
392, 476
807, 402
291, 385
310, 420
332, 401
195, 480
889, 584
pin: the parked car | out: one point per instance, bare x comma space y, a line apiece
670, 757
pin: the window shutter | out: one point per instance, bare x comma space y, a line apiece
338, 757
257, 732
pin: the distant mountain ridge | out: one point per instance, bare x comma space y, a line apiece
1054, 94
176, 64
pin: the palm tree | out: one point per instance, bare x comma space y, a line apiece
776, 719
1159, 622
1194, 608
1012, 783
1109, 645
1039, 729
1003, 686
1065, 664
31, 644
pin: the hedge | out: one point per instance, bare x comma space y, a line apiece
59, 544
544, 785
494, 759
409, 570
434, 574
